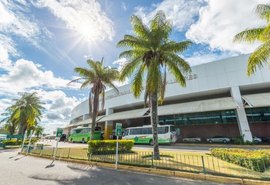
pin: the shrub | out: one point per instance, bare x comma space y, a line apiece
257, 160
19, 142
109, 146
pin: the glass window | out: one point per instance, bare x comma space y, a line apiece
126, 132
172, 128
256, 115
136, 131
215, 117
144, 131
163, 130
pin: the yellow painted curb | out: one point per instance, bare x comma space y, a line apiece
221, 145
170, 173
255, 182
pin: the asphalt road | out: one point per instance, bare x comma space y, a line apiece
175, 147
25, 170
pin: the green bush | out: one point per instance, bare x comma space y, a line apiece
13, 142
257, 160
109, 146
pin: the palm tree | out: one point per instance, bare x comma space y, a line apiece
10, 125
38, 130
26, 111
151, 52
262, 34
97, 77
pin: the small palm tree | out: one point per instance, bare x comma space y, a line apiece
26, 111
97, 77
262, 34
150, 51
10, 125
38, 130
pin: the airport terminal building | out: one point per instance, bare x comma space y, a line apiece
218, 100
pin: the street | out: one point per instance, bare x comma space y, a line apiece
25, 170
185, 147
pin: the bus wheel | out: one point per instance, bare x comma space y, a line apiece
151, 142
83, 141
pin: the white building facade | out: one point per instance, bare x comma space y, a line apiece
219, 99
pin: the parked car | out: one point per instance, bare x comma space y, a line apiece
192, 139
218, 139
266, 139
257, 140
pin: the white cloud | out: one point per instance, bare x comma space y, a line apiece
13, 21
7, 48
24, 74
86, 17
220, 20
198, 58
58, 108
182, 13
120, 64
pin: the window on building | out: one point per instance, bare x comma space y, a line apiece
200, 118
257, 115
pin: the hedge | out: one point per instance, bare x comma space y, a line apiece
19, 142
109, 146
257, 160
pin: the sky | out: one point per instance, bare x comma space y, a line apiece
41, 41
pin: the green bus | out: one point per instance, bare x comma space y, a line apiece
82, 134
143, 134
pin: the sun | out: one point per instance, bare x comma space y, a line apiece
87, 32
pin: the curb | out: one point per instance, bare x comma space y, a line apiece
221, 145
170, 173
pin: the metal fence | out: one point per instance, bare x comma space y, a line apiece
206, 164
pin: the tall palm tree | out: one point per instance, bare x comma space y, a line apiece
151, 52
26, 111
97, 77
262, 34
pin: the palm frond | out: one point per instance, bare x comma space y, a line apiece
258, 58
175, 47
250, 35
137, 85
181, 63
173, 67
139, 28
129, 68
263, 10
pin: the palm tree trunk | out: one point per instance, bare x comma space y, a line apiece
94, 113
22, 128
154, 123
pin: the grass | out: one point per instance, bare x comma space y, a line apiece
183, 161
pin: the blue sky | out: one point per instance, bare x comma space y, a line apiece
41, 41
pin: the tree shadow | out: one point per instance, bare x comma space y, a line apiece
16, 159
101, 176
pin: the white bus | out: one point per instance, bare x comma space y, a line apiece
143, 135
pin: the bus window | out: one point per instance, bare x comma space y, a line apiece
136, 131
78, 131
125, 132
144, 131
163, 130
172, 129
